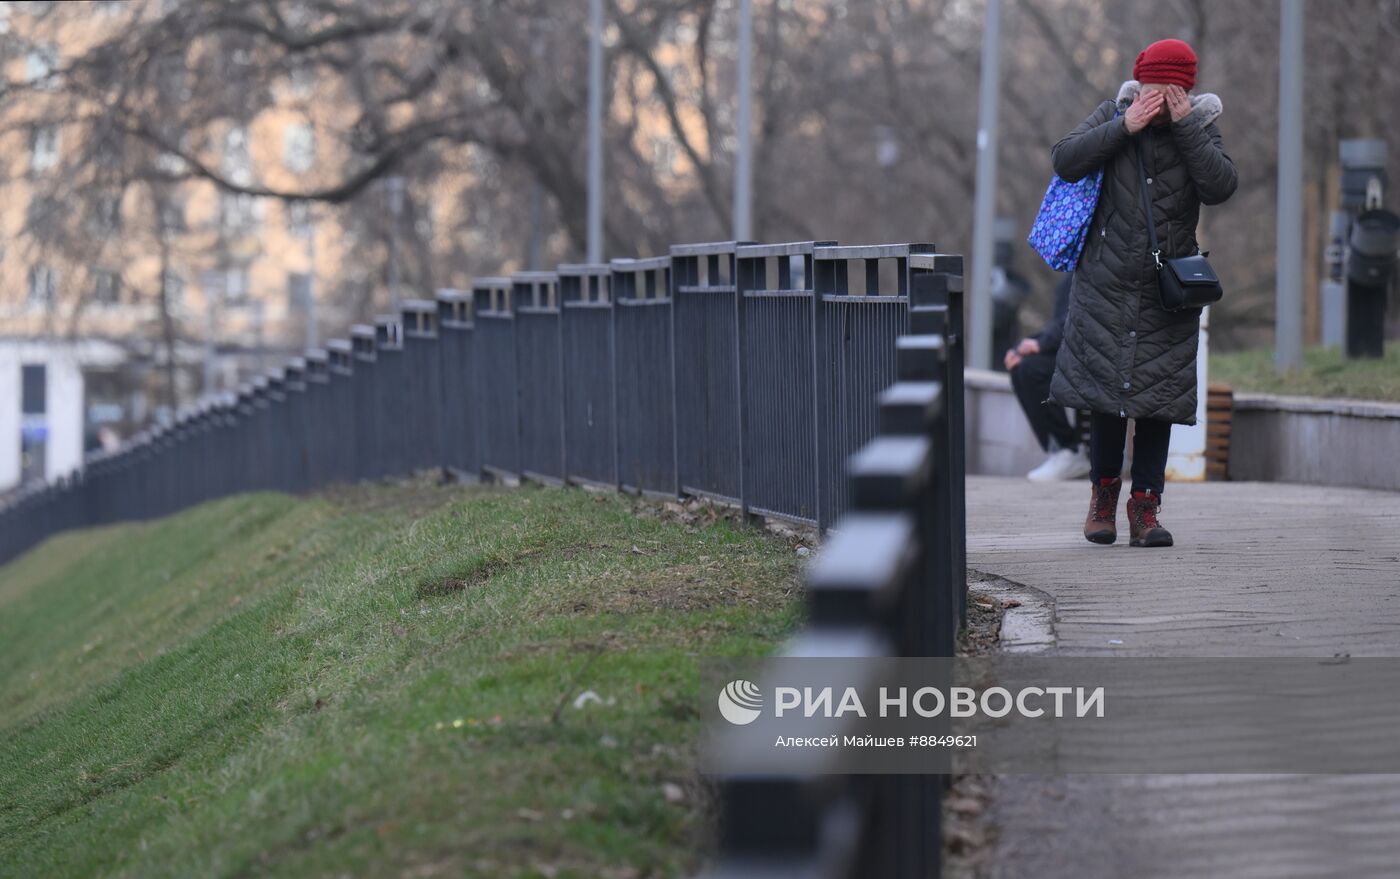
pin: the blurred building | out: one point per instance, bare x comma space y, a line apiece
165, 283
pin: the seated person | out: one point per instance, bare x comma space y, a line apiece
1031, 364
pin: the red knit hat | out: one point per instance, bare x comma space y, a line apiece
1170, 62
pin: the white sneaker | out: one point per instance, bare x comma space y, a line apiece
1060, 465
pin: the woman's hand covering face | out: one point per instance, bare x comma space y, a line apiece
1145, 107
1178, 102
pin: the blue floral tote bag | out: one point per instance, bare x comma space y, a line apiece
1062, 226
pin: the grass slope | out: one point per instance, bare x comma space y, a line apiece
377, 681
1325, 373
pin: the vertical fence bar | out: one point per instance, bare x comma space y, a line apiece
863, 304
369, 461
391, 398
644, 381
777, 308
589, 361
707, 369
937, 307
423, 385
461, 416
318, 418
498, 389
540, 372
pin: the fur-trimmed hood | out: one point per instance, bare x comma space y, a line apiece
1207, 105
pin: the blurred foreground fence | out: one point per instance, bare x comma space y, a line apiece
807, 382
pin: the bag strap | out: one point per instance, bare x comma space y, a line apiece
1147, 204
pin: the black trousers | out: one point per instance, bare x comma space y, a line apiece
1031, 381
1107, 436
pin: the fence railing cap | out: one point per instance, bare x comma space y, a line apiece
340, 346
646, 264
296, 364
364, 331
447, 294
418, 306
582, 269
872, 251
317, 355
790, 248
533, 277
491, 283
861, 568
708, 248
938, 262
387, 319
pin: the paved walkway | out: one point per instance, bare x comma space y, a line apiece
1258, 570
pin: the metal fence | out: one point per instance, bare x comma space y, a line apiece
539, 375
736, 371
889, 581
705, 315
498, 388
589, 363
646, 367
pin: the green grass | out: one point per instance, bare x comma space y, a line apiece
378, 681
1325, 373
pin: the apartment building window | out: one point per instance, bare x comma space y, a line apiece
302, 80
299, 223
41, 211
106, 287
172, 214
44, 148
240, 213
298, 290
298, 147
664, 155
173, 289
107, 215
238, 157
226, 285
236, 286
43, 285
40, 66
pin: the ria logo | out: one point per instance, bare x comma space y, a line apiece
740, 702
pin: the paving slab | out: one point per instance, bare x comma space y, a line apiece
1259, 569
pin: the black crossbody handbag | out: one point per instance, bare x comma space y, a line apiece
1185, 281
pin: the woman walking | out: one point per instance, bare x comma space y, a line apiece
1124, 355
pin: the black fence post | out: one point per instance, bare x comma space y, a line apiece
493, 311
422, 385
709, 420
369, 460
937, 307
778, 389
645, 388
539, 369
461, 414
589, 351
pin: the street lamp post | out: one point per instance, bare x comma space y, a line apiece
595, 131
984, 207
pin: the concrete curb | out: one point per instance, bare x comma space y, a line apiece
1029, 627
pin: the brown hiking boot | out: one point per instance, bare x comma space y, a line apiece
1102, 525
1143, 527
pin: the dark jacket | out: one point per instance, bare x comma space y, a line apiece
1053, 332
1122, 353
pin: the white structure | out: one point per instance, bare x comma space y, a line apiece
1186, 457
60, 426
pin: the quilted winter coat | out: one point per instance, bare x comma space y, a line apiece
1123, 354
